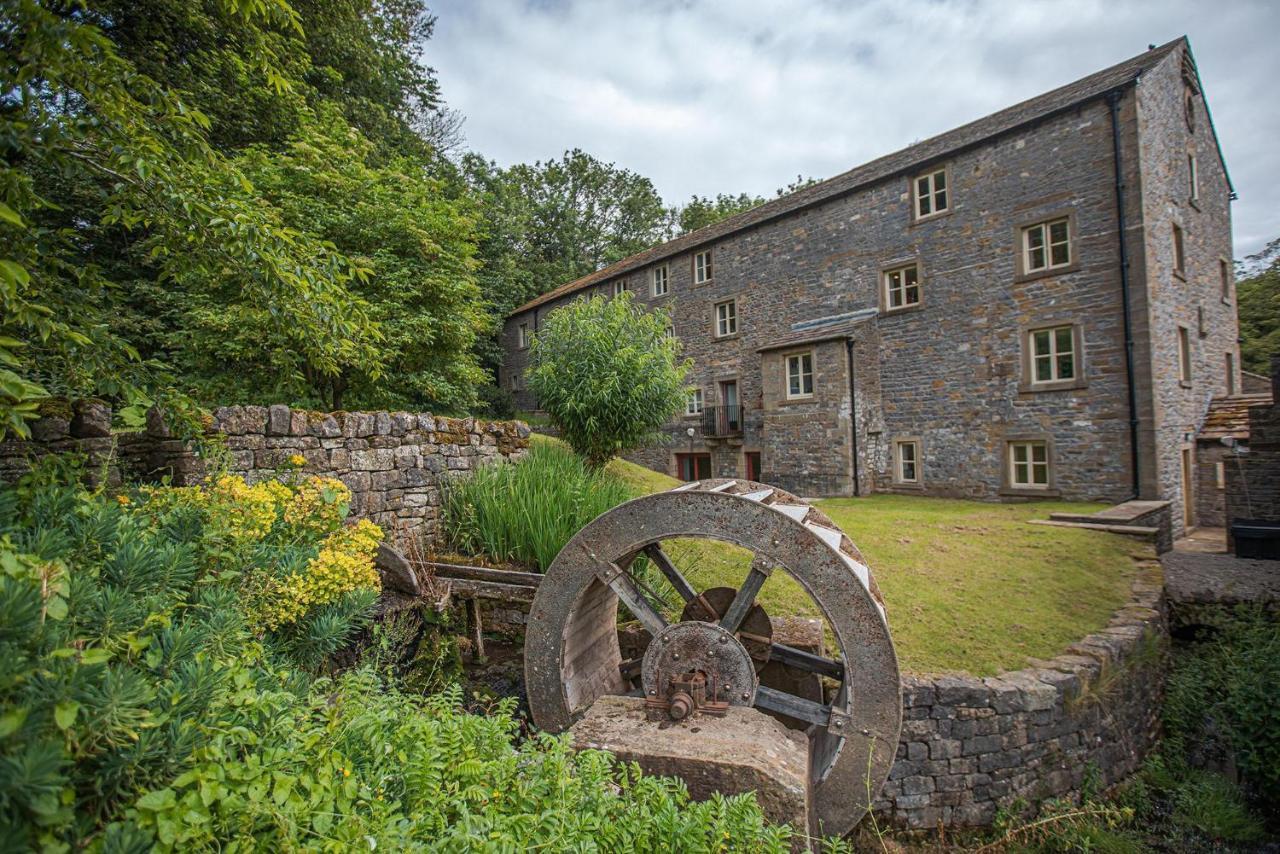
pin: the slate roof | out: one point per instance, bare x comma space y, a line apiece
1229, 416
906, 160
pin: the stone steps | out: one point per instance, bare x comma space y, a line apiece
1131, 530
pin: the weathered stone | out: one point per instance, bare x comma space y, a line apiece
50, 429
745, 751
396, 572
90, 419
279, 420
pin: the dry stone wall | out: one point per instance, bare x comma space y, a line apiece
393, 462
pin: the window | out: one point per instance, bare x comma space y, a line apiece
670, 329
619, 288
1189, 111
661, 281
1053, 354
693, 403
1231, 373
726, 318
931, 193
1193, 174
1184, 354
902, 287
1220, 474
1046, 245
1029, 465
522, 335
702, 267
693, 466
907, 461
1224, 271
516, 383
1179, 255
800, 375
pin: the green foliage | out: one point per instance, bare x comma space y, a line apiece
608, 373
107, 177
139, 709
1258, 306
526, 511
700, 212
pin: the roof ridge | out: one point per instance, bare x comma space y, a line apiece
873, 170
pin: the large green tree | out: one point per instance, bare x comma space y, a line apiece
1258, 304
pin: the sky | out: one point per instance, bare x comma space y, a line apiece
744, 96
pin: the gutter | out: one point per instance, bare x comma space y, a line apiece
1113, 102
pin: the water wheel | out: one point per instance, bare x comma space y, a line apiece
573, 656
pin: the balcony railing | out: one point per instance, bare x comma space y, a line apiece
721, 421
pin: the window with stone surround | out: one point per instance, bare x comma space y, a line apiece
693, 403
726, 318
906, 461
800, 375
1230, 359
1184, 355
522, 336
1053, 354
1179, 252
702, 267
661, 281
902, 287
1029, 464
1046, 245
1224, 273
1220, 474
619, 288
1193, 175
931, 193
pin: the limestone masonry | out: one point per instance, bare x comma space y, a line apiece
957, 318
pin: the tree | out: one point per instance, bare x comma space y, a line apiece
107, 177
1258, 304
608, 373
700, 212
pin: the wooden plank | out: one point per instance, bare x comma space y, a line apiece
745, 597
466, 589
484, 573
773, 700
793, 657
668, 569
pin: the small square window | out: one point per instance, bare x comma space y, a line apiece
1046, 245
1179, 252
931, 193
726, 318
1053, 354
1029, 465
661, 281
522, 334
702, 267
902, 287
907, 461
619, 288
1184, 354
1193, 175
693, 403
800, 375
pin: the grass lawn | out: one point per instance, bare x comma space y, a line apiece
969, 585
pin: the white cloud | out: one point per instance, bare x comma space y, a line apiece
743, 96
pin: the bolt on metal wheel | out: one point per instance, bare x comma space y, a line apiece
722, 637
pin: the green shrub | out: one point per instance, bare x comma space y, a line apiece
608, 373
526, 511
143, 705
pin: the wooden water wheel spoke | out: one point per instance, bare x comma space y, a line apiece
624, 587
782, 703
809, 661
668, 569
746, 596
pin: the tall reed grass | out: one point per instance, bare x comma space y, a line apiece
525, 512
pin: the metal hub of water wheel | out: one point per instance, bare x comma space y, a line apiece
712, 654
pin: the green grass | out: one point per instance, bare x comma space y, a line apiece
969, 585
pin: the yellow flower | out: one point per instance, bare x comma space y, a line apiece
123, 499
346, 772
297, 460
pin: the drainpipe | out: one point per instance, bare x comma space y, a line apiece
853, 417
1113, 101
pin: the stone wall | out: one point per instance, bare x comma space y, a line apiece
1253, 485
393, 462
971, 746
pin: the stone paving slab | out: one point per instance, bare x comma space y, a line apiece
1196, 578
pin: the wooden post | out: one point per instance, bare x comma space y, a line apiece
477, 629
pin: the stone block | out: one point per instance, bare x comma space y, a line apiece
374, 459
279, 420
324, 427
745, 751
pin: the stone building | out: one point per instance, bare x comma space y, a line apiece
1253, 483
1039, 303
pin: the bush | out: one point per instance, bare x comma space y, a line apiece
144, 705
526, 511
608, 373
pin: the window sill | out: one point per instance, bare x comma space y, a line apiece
1028, 492
921, 220
1185, 383
913, 487
726, 337
1050, 271
793, 401
1025, 387
1180, 274
902, 309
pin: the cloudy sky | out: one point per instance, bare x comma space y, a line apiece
744, 95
